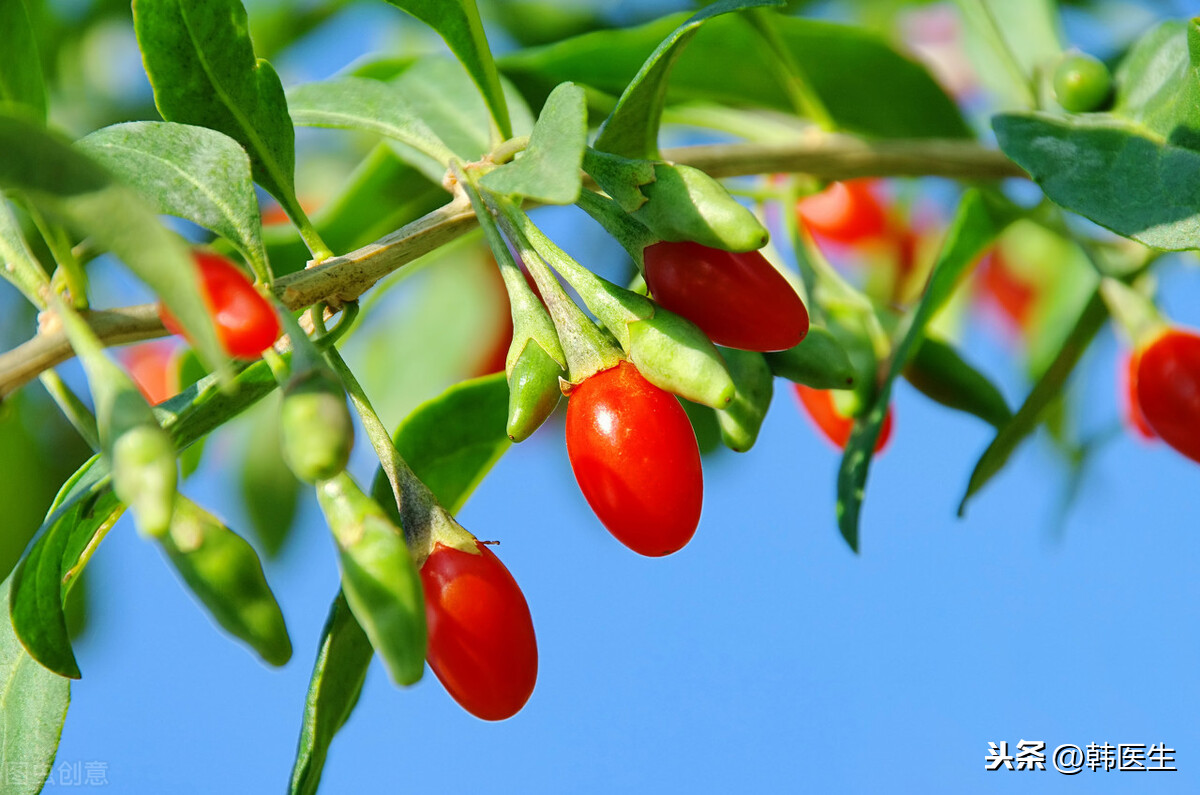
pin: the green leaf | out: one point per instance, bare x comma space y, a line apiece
975, 225
1114, 172
22, 85
343, 657
1009, 42
41, 582
226, 576
631, 129
819, 361
357, 103
190, 172
1158, 84
440, 93
201, 64
33, 707
458, 23
452, 441
549, 169
17, 262
1047, 389
727, 64
943, 375
270, 492
85, 195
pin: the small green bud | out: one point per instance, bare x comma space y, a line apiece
819, 361
676, 356
533, 391
225, 574
379, 578
318, 432
685, 204
741, 420
1082, 83
144, 476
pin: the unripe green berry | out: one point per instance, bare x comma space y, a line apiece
1082, 83
318, 433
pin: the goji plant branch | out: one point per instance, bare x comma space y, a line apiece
340, 279
422, 517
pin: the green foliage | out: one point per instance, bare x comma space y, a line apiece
975, 226
726, 63
201, 63
457, 21
189, 172
548, 170
33, 707
22, 86
83, 193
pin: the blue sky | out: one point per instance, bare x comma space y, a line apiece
763, 657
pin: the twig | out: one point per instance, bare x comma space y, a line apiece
339, 280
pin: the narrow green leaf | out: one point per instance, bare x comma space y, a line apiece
343, 657
819, 361
17, 262
975, 225
549, 169
727, 64
943, 375
33, 707
190, 172
201, 64
22, 85
458, 23
226, 576
1045, 391
41, 582
270, 492
452, 441
358, 103
85, 195
1114, 172
631, 129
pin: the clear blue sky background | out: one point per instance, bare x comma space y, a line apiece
763, 657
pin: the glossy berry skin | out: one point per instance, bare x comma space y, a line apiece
1168, 389
1128, 392
822, 410
246, 323
845, 212
737, 300
1082, 83
635, 458
481, 642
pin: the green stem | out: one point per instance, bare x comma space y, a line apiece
69, 268
799, 90
422, 517
74, 409
509, 149
308, 233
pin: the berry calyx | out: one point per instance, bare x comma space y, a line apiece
845, 212
635, 457
481, 641
737, 300
822, 409
1167, 386
246, 323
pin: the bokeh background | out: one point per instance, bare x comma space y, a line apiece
763, 657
